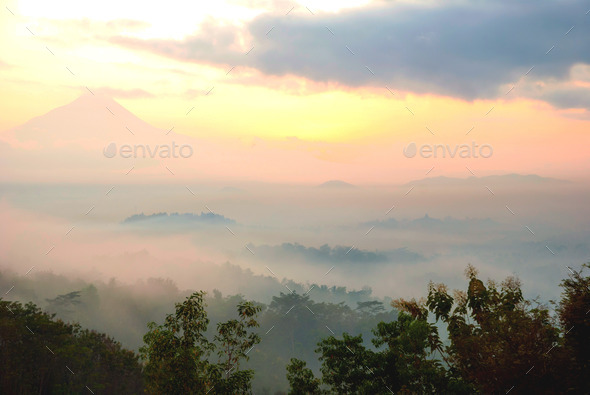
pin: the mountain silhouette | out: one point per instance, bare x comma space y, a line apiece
336, 184
493, 180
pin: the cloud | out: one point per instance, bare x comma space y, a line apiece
573, 97
568, 93
213, 45
124, 93
96, 27
463, 49
268, 5
86, 30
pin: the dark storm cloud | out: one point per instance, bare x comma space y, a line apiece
458, 48
574, 97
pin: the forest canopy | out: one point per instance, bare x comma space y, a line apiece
486, 338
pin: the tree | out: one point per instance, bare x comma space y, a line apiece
371, 307
498, 339
344, 364
64, 305
403, 361
301, 379
47, 356
235, 342
177, 353
295, 318
574, 317
296, 324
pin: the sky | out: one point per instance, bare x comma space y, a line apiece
338, 86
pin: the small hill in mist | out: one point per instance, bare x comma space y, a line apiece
336, 184
428, 223
179, 218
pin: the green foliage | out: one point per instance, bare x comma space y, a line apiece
124, 310
497, 336
402, 362
301, 379
64, 303
298, 323
178, 353
574, 317
343, 363
411, 343
371, 307
36, 352
498, 341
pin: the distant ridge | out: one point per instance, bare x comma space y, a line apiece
178, 218
336, 184
428, 223
528, 179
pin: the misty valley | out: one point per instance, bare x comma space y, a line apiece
318, 284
